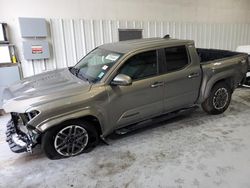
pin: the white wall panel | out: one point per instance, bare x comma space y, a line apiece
71, 39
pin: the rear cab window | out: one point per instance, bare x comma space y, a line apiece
176, 58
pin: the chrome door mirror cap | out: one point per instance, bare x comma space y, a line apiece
122, 80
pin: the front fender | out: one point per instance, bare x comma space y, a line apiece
56, 120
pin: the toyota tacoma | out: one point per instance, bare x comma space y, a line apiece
115, 88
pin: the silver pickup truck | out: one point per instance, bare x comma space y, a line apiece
116, 88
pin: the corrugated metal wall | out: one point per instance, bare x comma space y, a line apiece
72, 39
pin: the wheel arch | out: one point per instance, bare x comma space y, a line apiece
87, 115
96, 122
48, 137
227, 80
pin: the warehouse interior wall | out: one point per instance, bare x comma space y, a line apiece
77, 26
219, 11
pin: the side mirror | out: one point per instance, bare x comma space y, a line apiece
121, 80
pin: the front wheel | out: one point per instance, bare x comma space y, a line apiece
69, 139
218, 100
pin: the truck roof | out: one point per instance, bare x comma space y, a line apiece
133, 45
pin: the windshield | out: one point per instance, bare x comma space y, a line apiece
94, 66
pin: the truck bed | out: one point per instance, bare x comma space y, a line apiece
207, 55
217, 64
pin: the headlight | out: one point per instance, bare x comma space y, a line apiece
32, 114
26, 117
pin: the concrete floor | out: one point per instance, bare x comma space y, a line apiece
196, 151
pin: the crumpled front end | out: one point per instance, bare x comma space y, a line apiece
20, 136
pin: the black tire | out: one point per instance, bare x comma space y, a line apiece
216, 104
50, 138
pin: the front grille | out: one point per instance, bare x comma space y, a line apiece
17, 142
19, 137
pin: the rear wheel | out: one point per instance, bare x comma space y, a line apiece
218, 100
69, 139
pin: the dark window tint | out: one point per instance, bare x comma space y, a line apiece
141, 66
176, 58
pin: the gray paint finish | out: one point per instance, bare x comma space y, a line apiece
140, 44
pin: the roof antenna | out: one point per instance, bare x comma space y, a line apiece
166, 36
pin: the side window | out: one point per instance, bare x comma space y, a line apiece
141, 66
176, 58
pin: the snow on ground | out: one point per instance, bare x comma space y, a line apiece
199, 150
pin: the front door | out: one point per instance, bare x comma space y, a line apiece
141, 100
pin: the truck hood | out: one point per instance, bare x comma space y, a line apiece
41, 89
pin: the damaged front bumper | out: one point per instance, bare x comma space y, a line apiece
18, 139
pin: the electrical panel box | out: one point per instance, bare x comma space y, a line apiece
33, 27
34, 50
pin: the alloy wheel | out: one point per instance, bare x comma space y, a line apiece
220, 98
71, 140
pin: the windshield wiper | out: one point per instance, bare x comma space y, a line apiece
78, 74
82, 76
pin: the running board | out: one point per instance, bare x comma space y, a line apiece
142, 124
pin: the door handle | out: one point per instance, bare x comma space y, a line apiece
193, 75
157, 84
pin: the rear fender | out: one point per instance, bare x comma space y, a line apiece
227, 76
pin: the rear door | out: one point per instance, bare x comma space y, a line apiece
182, 78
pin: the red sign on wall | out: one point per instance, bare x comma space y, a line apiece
37, 49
